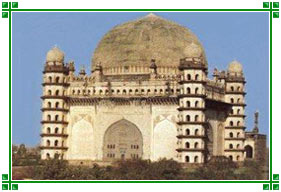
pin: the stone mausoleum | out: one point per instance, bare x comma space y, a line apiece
148, 96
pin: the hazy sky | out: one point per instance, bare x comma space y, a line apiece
225, 37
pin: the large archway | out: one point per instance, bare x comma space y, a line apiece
82, 141
122, 140
249, 151
165, 140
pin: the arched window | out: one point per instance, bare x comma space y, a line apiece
237, 146
238, 111
188, 90
124, 91
57, 104
56, 117
57, 79
130, 90
48, 155
50, 79
56, 143
230, 157
230, 146
187, 132
73, 92
196, 159
188, 77
238, 134
231, 123
196, 132
161, 91
188, 103
230, 134
232, 88
238, 158
196, 77
232, 100
49, 117
49, 92
56, 130
238, 100
196, 103
187, 118
48, 143
57, 92
56, 156
78, 92
196, 145
238, 123
187, 159
196, 118
187, 145
49, 105
249, 151
238, 88
48, 130
196, 90
101, 91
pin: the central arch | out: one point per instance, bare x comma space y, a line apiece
122, 140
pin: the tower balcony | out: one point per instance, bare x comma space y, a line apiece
237, 115
191, 109
54, 97
55, 69
53, 135
236, 92
54, 109
192, 123
190, 150
56, 84
235, 138
192, 82
54, 147
234, 150
238, 104
235, 127
192, 95
191, 136
53, 122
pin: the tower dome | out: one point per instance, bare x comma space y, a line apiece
235, 67
55, 55
136, 42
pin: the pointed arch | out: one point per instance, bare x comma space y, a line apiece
122, 135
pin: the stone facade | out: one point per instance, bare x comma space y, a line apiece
144, 110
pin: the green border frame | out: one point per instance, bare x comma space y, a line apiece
9, 184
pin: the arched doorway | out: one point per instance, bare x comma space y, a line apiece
82, 141
165, 140
122, 140
249, 151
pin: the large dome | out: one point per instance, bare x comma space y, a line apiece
135, 43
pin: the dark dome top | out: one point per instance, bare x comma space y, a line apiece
135, 43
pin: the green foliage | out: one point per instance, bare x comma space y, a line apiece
218, 168
23, 157
251, 170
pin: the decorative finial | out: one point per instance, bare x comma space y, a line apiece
82, 70
256, 128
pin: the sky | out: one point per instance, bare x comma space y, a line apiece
226, 36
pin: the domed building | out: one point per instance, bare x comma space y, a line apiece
148, 96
